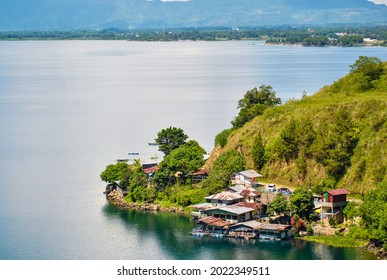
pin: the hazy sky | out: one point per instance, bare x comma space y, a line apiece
375, 1
379, 1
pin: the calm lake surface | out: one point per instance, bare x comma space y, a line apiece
69, 108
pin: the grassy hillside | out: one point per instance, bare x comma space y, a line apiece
335, 138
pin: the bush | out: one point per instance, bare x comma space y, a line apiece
332, 221
222, 137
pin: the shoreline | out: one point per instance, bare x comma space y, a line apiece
297, 45
117, 199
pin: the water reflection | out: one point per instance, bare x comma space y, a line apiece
167, 236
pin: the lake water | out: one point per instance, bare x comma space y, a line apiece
69, 108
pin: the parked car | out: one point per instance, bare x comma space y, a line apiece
271, 188
284, 191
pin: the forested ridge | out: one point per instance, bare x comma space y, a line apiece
334, 138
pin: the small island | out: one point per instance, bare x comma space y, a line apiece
312, 168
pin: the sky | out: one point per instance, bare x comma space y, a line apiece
375, 1
379, 1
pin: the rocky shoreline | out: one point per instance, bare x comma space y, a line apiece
378, 251
116, 198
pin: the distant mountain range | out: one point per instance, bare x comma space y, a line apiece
139, 14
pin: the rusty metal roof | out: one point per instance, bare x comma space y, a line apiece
251, 205
279, 227
338, 192
213, 221
151, 169
250, 192
251, 224
200, 172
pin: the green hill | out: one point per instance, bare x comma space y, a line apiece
334, 138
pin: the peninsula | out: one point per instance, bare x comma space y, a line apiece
324, 147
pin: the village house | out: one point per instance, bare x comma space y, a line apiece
249, 194
211, 226
239, 212
224, 198
150, 169
247, 178
198, 211
198, 176
332, 204
234, 213
254, 229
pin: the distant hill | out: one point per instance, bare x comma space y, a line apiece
334, 138
139, 14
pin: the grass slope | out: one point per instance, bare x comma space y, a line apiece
368, 159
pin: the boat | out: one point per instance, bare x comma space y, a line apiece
152, 144
122, 160
133, 154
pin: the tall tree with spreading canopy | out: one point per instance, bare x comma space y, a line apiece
116, 172
254, 103
302, 202
224, 166
170, 138
185, 159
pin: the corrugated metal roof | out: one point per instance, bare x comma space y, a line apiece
257, 225
236, 209
251, 224
250, 192
338, 192
225, 196
250, 173
202, 206
238, 188
151, 169
208, 220
213, 221
251, 205
200, 172
275, 227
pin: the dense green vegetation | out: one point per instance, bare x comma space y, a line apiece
335, 138
337, 241
254, 103
306, 36
170, 138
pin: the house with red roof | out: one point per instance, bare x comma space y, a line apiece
332, 204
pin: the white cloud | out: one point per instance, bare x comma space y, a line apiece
379, 1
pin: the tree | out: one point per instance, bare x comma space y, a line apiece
373, 212
365, 71
351, 211
183, 160
302, 202
286, 146
258, 152
369, 66
224, 166
170, 138
222, 137
265, 95
116, 172
254, 103
342, 142
278, 206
